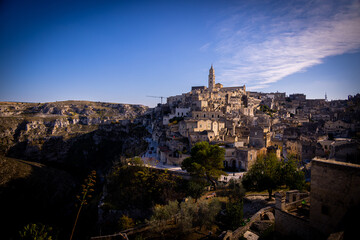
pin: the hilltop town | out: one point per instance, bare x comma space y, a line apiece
54, 145
248, 123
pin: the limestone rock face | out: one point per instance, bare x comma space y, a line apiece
72, 108
50, 131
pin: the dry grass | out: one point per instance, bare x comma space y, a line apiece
11, 169
282, 188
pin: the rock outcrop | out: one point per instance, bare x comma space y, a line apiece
47, 149
59, 131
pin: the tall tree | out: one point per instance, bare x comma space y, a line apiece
235, 205
148, 186
264, 174
268, 173
205, 161
162, 214
196, 188
291, 175
207, 212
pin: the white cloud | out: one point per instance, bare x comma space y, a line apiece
257, 87
264, 47
205, 47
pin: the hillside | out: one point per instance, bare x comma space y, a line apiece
105, 111
33, 192
46, 131
47, 150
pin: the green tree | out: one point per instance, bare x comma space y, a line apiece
188, 212
234, 208
234, 214
269, 173
148, 186
162, 214
264, 174
291, 175
236, 190
196, 188
205, 161
207, 212
186, 217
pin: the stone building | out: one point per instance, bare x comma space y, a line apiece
259, 137
338, 128
247, 157
332, 210
241, 158
211, 78
335, 196
179, 112
297, 97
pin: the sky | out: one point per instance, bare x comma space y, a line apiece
125, 51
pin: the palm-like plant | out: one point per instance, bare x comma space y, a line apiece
87, 189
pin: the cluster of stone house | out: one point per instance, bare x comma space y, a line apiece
247, 124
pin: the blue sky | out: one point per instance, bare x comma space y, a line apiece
124, 51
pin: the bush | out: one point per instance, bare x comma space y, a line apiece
234, 214
196, 188
125, 222
37, 231
162, 214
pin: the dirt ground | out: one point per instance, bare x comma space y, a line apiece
254, 203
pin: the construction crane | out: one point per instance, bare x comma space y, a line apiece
161, 97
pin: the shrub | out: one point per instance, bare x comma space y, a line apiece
125, 222
37, 231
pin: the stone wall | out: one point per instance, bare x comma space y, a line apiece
287, 222
335, 193
239, 232
290, 225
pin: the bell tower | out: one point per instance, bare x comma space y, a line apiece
211, 78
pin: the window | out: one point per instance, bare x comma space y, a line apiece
204, 115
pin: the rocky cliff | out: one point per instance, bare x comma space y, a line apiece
47, 149
60, 131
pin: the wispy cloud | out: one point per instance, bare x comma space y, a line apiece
205, 47
259, 48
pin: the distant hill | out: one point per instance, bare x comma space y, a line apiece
72, 108
28, 129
